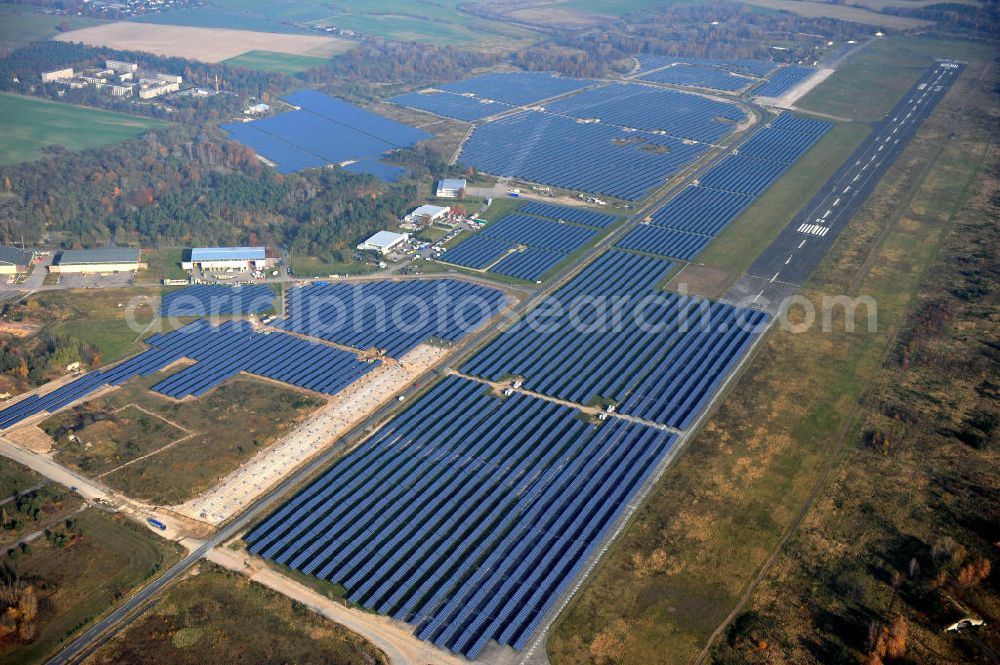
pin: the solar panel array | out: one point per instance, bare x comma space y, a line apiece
478, 252
547, 242
784, 80
580, 356
688, 222
517, 88
680, 114
395, 316
738, 65
451, 105
591, 157
325, 130
220, 352
699, 76
217, 300
568, 214
468, 528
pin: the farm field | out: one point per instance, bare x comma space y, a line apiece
19, 25
205, 44
271, 61
211, 435
104, 559
32, 124
811, 9
738, 488
404, 20
219, 616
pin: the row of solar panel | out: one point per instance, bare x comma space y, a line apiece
451, 105
632, 105
647, 332
469, 528
738, 65
688, 222
784, 80
325, 130
395, 316
590, 157
547, 243
220, 352
699, 76
217, 300
568, 214
517, 88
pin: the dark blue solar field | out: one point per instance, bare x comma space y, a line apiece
699, 76
216, 300
548, 242
469, 528
558, 151
220, 353
324, 131
536, 232
478, 252
451, 105
517, 88
395, 316
688, 222
580, 356
784, 80
649, 108
740, 66
568, 214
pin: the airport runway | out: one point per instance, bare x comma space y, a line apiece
793, 256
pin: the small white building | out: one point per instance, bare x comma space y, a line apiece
121, 66
427, 214
450, 188
383, 242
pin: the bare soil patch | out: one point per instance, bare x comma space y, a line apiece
205, 44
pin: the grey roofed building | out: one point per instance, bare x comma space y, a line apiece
109, 255
14, 256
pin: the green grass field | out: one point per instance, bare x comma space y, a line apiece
162, 263
315, 266
219, 616
270, 61
20, 25
866, 86
31, 124
79, 582
736, 247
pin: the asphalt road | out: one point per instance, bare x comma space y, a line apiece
793, 256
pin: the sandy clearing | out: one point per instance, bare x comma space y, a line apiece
205, 44
268, 467
787, 100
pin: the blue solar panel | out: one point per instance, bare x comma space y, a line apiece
215, 300
534, 232
664, 242
529, 264
325, 131
740, 66
561, 152
568, 214
700, 77
784, 80
470, 528
478, 252
701, 210
649, 108
517, 87
395, 316
220, 352
451, 105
